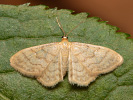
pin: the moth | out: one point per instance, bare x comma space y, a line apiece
48, 63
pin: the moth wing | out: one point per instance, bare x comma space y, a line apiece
88, 61
41, 62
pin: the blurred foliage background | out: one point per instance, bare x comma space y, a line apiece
116, 12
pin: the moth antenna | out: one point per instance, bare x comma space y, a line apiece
58, 21
74, 28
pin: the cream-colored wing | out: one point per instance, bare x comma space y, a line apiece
41, 61
52, 73
88, 61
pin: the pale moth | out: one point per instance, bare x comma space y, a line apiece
48, 63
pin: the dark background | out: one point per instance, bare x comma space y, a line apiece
118, 12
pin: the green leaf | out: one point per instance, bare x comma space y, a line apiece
25, 26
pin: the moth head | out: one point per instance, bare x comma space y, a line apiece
64, 38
